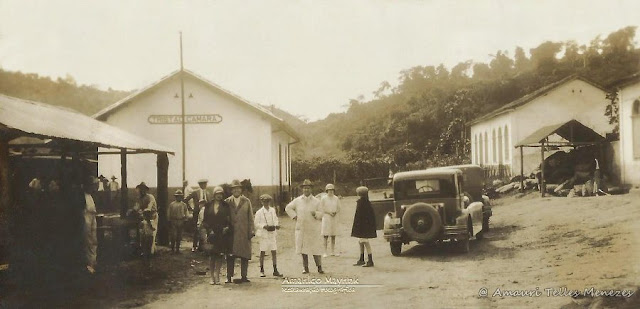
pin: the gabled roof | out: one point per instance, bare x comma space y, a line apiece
101, 115
532, 96
47, 121
573, 131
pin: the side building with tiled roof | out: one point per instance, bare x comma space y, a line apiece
494, 135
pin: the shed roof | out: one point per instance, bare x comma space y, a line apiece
102, 114
532, 96
573, 131
49, 121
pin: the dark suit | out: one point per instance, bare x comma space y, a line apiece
197, 196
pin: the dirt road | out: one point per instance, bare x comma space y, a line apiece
535, 243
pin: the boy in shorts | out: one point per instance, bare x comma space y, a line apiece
266, 223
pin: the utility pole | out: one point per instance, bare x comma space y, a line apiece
184, 154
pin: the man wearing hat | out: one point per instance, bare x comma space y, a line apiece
176, 215
305, 209
266, 222
243, 231
114, 192
147, 201
202, 193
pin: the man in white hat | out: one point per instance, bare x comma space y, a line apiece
114, 189
305, 209
202, 193
243, 230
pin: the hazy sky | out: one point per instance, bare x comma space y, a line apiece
307, 57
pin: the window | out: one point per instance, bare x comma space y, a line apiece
475, 149
507, 150
500, 152
486, 148
440, 187
493, 146
635, 131
480, 162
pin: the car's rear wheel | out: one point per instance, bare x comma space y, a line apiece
421, 222
396, 248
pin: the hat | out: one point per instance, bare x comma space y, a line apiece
362, 190
114, 177
329, 187
101, 177
203, 180
235, 183
218, 189
178, 192
265, 197
306, 183
142, 185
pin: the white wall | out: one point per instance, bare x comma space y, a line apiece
238, 147
498, 123
575, 99
630, 164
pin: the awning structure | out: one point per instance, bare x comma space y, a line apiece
574, 132
46, 121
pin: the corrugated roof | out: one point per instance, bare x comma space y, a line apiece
573, 131
54, 122
101, 115
531, 96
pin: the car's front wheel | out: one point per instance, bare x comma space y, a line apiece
396, 248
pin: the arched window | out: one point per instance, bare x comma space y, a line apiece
493, 146
475, 149
635, 131
500, 149
480, 156
507, 149
486, 148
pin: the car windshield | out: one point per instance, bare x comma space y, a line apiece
442, 187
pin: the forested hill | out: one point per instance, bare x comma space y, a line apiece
61, 92
422, 121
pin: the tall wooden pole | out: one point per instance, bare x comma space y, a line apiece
184, 153
124, 191
162, 198
521, 169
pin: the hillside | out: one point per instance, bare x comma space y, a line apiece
422, 121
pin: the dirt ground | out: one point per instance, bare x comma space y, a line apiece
535, 243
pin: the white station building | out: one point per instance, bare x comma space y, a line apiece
226, 136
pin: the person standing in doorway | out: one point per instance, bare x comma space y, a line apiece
305, 209
90, 225
202, 193
243, 231
330, 206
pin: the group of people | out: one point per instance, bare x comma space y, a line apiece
223, 228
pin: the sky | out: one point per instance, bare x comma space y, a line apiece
306, 57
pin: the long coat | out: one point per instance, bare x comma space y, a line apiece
214, 224
364, 221
242, 223
307, 211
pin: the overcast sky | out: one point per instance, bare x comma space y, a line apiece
307, 57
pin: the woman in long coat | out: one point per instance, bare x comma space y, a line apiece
364, 225
305, 209
216, 230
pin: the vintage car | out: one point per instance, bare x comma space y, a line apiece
434, 205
